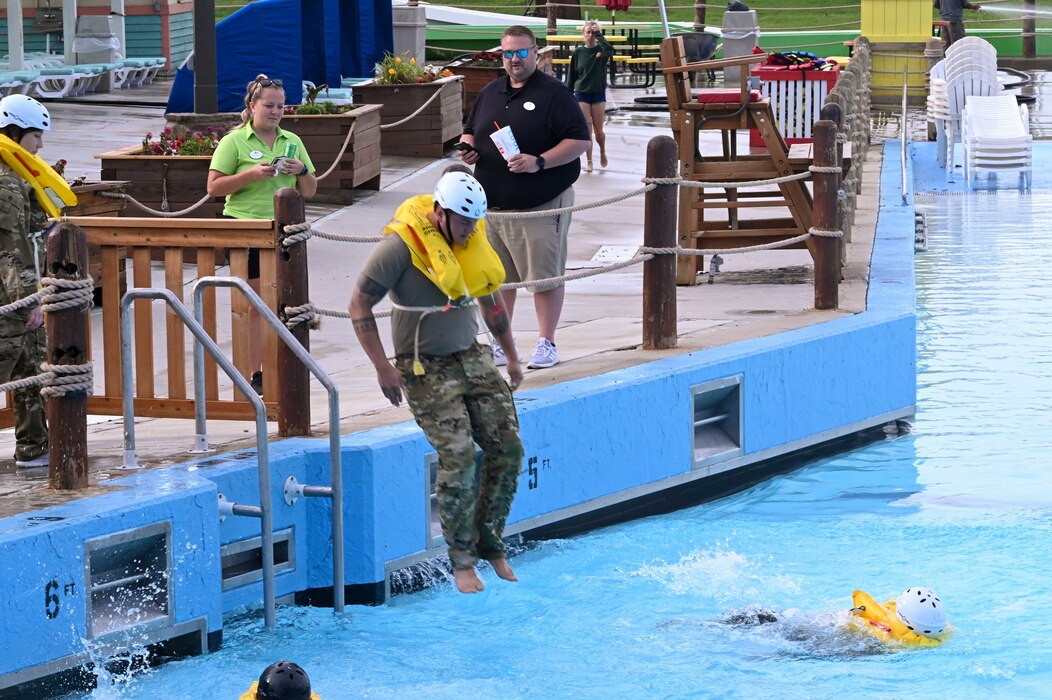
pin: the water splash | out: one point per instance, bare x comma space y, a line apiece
1017, 10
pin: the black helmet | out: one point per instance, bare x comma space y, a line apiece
283, 681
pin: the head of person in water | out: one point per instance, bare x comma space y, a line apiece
921, 611
283, 680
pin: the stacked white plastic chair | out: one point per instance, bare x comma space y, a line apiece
972, 63
996, 137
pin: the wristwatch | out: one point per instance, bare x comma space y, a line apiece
303, 172
540, 163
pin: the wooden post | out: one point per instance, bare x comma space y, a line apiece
825, 249
699, 15
1029, 30
67, 344
659, 231
933, 50
552, 24
293, 377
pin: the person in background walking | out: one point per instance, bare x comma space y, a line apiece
249, 165
587, 79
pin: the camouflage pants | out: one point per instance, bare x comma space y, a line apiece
461, 400
21, 353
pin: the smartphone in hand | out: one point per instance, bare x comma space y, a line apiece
463, 147
277, 163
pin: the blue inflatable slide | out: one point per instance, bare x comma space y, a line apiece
291, 40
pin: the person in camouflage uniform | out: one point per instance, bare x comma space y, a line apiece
456, 393
23, 342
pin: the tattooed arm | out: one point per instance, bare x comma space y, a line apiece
365, 296
496, 318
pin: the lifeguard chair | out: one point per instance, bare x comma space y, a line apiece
728, 110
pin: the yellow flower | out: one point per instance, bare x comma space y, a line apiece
398, 59
391, 71
413, 61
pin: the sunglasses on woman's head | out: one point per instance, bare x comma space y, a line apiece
521, 53
267, 82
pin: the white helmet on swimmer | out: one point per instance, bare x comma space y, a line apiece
922, 611
25, 112
461, 193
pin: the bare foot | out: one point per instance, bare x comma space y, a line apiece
602, 160
467, 580
588, 167
501, 568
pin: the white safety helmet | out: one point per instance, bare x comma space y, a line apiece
25, 112
922, 611
461, 193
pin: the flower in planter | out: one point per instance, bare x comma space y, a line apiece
396, 70
60, 166
311, 106
485, 59
171, 142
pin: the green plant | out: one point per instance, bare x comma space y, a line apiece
396, 70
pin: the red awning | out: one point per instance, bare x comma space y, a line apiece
614, 5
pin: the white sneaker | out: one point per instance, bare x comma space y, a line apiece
499, 358
41, 461
544, 355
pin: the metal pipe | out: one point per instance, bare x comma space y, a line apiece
317, 491
242, 384
246, 511
709, 421
335, 465
902, 136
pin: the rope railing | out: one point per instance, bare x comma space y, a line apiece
57, 294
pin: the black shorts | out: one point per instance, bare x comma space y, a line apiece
253, 256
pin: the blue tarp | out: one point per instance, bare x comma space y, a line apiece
292, 40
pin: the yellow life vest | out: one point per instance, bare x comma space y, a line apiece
250, 694
882, 622
472, 269
52, 190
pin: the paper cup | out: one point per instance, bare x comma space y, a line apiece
505, 142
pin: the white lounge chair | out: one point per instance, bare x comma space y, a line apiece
996, 137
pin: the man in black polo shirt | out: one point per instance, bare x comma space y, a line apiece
552, 135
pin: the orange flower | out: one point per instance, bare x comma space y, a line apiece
391, 71
398, 59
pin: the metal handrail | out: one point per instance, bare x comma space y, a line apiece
902, 134
205, 342
335, 492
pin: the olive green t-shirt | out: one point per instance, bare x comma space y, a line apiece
240, 150
441, 334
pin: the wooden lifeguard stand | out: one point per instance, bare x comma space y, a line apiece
728, 111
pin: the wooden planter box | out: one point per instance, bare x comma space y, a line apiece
323, 136
478, 77
91, 202
429, 134
183, 178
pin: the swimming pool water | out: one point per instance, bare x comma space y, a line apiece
962, 504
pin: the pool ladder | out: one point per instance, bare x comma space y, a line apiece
204, 342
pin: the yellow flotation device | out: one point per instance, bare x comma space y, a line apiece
250, 694
52, 190
882, 622
472, 269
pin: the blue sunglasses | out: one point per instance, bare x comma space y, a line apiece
521, 53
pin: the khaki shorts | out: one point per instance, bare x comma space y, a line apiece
533, 249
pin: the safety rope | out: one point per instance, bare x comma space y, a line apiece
418, 111
57, 294
155, 212
343, 149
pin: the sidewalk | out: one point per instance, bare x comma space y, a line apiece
754, 295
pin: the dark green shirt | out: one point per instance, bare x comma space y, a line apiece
588, 67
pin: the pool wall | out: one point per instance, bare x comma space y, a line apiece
590, 444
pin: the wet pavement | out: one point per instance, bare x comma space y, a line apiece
753, 295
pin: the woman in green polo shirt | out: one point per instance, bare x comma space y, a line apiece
250, 164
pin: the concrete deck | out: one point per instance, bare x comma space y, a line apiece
754, 295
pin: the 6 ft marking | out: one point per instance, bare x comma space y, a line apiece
52, 602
